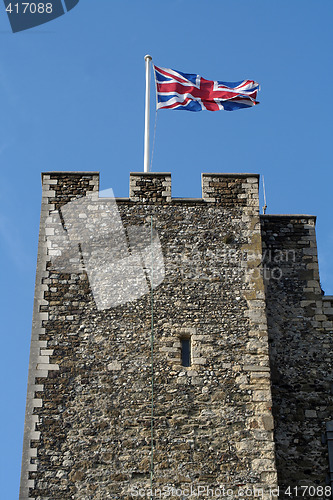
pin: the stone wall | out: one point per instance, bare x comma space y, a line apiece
92, 422
41, 367
300, 336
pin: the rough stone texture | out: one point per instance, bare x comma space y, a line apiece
40, 365
231, 190
150, 187
88, 422
300, 336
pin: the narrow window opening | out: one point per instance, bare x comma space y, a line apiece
186, 351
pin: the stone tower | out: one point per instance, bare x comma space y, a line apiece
167, 333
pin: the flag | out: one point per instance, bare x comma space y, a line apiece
177, 90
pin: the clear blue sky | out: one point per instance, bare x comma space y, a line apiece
72, 98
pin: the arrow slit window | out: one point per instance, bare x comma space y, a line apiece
185, 345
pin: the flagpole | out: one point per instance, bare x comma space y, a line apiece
264, 208
148, 60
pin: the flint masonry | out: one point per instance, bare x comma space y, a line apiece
228, 339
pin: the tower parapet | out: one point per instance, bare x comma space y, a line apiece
150, 187
231, 190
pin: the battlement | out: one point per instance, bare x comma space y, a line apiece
150, 187
227, 190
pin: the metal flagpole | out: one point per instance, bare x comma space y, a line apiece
264, 208
148, 60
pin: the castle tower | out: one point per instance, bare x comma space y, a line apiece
160, 334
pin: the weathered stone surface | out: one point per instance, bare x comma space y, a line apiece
89, 426
300, 349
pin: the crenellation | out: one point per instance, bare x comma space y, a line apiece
150, 187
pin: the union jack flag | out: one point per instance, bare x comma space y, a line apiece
176, 90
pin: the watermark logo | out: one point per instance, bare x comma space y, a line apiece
225, 263
203, 491
24, 15
87, 234
229, 493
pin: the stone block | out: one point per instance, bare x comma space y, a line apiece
310, 414
268, 422
114, 366
46, 367
263, 465
261, 395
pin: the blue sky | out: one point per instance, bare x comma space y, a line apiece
72, 98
